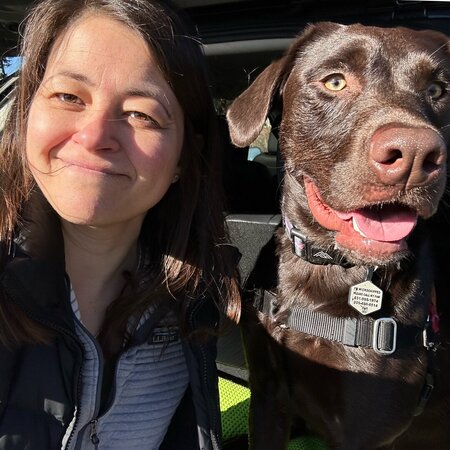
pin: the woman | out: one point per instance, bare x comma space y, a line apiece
113, 255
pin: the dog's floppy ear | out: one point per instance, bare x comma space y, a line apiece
248, 112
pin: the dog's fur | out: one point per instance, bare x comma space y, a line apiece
343, 145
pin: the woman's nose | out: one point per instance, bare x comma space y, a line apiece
97, 133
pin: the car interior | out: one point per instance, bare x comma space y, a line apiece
240, 38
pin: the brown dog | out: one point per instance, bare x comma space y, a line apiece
345, 342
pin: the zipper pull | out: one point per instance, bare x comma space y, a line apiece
94, 437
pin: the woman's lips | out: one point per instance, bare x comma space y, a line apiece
89, 167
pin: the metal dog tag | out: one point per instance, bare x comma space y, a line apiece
365, 297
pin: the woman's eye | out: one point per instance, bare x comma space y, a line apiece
335, 82
143, 118
436, 90
68, 98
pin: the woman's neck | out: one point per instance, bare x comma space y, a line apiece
96, 260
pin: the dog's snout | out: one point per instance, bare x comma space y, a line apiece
408, 156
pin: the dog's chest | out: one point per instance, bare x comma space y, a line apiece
355, 387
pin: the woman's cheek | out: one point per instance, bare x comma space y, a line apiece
45, 131
157, 152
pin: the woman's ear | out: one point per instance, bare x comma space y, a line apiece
176, 176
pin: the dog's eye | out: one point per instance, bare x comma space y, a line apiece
435, 91
335, 82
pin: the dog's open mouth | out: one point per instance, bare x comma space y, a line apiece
378, 230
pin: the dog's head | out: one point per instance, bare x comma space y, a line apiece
364, 132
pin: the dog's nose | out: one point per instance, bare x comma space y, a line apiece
408, 156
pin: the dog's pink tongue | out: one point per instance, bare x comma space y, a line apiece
388, 224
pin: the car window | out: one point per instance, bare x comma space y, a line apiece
7, 85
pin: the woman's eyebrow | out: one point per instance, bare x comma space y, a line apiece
74, 76
150, 93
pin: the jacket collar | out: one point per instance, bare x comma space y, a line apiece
39, 235
34, 276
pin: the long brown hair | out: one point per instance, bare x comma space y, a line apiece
184, 231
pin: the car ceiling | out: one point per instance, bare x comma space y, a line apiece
242, 36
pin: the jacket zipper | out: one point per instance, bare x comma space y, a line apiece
93, 434
77, 414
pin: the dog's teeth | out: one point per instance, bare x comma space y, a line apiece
356, 228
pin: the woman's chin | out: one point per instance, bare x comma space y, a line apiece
80, 212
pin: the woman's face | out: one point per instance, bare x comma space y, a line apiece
105, 130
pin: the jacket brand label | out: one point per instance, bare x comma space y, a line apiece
164, 336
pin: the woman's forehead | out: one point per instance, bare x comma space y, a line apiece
104, 50
99, 35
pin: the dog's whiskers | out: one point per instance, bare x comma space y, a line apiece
440, 48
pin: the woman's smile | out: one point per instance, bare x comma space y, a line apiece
91, 168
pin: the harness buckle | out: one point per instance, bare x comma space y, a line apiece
429, 336
384, 338
300, 245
